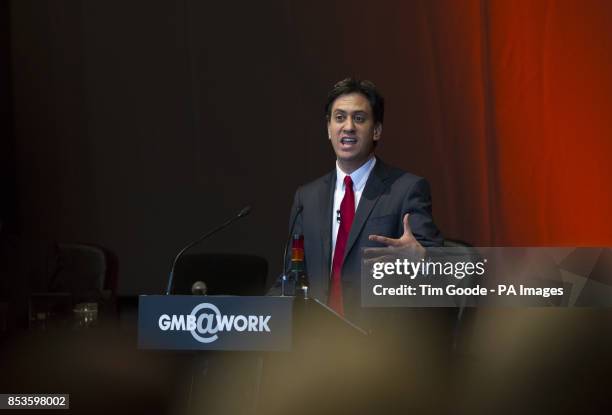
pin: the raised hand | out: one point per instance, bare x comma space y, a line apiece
406, 244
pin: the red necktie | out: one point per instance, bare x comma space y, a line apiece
347, 214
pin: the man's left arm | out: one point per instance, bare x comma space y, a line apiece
418, 205
419, 228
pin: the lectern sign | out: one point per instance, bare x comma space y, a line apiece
183, 322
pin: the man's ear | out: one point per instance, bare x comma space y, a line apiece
377, 131
328, 131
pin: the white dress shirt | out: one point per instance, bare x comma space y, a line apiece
359, 178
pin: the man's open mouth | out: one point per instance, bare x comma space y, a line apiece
348, 140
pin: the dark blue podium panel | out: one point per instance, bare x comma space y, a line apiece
186, 322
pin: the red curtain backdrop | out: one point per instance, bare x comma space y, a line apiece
519, 96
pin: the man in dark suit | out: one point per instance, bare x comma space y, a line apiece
362, 203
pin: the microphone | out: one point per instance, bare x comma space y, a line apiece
199, 288
298, 211
244, 212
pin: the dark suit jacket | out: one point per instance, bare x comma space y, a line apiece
389, 194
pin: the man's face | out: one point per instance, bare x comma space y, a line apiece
352, 130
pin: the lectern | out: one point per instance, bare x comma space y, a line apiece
276, 354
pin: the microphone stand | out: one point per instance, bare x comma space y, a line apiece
245, 211
284, 268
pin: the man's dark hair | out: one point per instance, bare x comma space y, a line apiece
366, 88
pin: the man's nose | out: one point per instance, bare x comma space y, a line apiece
349, 125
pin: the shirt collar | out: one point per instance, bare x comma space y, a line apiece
359, 176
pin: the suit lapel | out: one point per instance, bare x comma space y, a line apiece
374, 187
326, 197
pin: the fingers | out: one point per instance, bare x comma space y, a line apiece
407, 230
406, 239
384, 240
